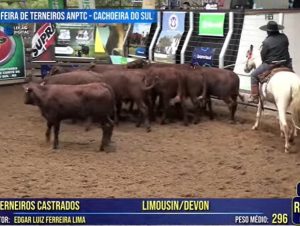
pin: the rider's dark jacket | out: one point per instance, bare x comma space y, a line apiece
275, 48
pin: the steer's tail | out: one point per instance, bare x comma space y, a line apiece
295, 108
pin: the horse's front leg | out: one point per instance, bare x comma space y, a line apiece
258, 115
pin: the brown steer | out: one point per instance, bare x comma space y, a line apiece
60, 102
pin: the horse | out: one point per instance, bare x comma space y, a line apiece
283, 90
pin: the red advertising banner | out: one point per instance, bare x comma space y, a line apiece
43, 43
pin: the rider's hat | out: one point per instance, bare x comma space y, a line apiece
271, 26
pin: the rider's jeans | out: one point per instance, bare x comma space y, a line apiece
261, 69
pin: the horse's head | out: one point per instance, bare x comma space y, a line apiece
250, 65
250, 62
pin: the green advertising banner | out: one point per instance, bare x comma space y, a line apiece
56, 4
12, 57
86, 4
211, 24
120, 59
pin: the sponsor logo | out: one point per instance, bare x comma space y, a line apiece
173, 22
43, 39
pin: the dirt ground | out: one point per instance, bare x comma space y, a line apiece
213, 159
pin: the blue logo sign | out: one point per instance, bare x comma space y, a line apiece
140, 51
203, 56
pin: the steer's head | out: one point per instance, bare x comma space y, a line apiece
56, 70
29, 94
140, 63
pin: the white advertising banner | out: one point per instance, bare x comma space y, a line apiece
290, 24
250, 44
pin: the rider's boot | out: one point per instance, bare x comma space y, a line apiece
254, 98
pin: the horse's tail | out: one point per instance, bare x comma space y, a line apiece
295, 109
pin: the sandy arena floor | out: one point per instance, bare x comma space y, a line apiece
211, 159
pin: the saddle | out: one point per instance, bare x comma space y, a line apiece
265, 77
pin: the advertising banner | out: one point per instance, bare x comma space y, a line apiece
138, 39
75, 40
120, 59
109, 39
250, 45
170, 36
12, 57
148, 4
211, 24
86, 4
203, 56
56, 4
26, 31
43, 43
140, 33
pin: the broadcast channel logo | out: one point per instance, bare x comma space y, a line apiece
296, 207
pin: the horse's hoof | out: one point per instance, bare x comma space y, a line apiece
254, 127
286, 151
148, 130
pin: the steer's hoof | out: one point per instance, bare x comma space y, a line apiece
233, 122
196, 121
110, 148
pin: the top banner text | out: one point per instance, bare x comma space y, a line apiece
78, 16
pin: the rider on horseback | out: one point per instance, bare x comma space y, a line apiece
274, 49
